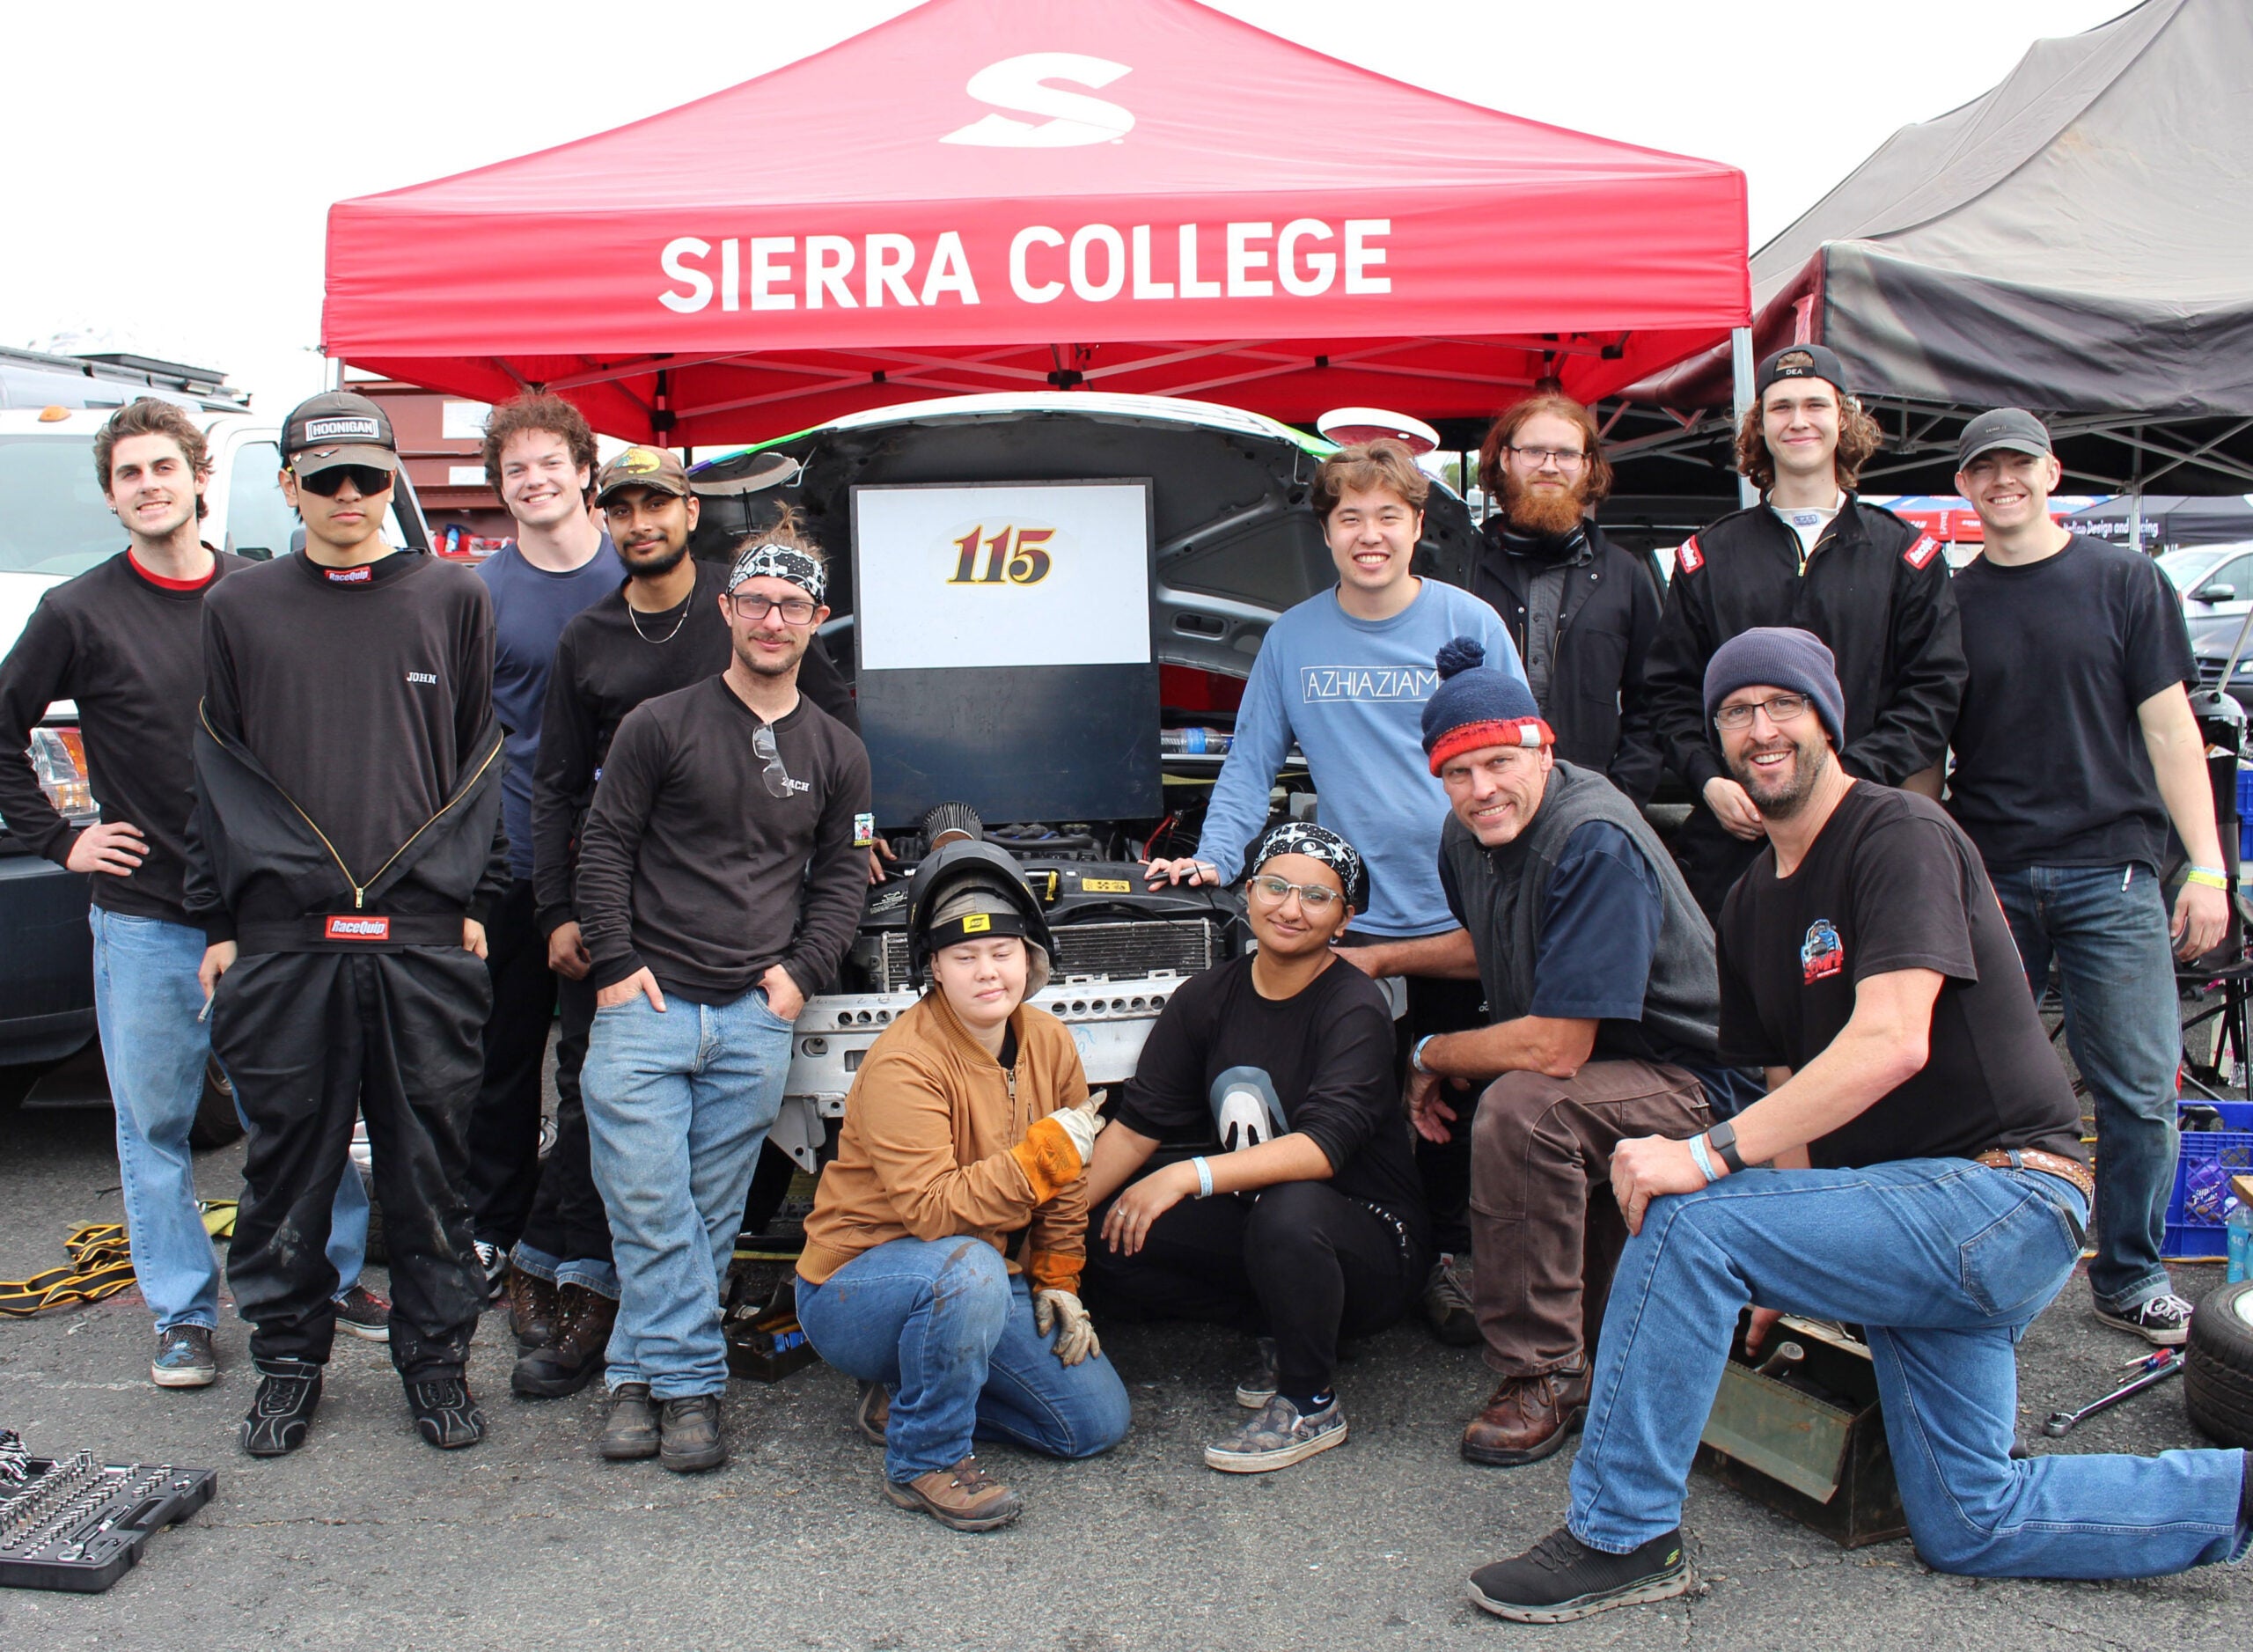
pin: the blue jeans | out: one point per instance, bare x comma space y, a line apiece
943, 1325
678, 1103
1944, 1263
146, 1002
2106, 928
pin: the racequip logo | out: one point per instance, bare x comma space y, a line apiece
342, 929
1922, 552
1366, 682
1688, 557
1021, 84
1016, 553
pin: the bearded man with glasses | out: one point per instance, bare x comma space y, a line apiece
1603, 1007
719, 885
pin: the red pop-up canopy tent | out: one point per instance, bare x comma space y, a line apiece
1140, 195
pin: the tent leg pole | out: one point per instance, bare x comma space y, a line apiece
1739, 365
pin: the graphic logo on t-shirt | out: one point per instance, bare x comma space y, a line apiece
349, 575
1922, 552
1688, 557
1366, 682
1822, 954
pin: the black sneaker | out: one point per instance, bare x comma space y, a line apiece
365, 1314
493, 1262
1447, 1303
1561, 1578
2164, 1321
282, 1414
444, 1412
1258, 1384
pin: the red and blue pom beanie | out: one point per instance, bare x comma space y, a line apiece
1476, 705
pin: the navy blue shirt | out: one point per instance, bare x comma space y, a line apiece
530, 607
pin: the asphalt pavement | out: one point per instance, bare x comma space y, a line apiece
367, 1538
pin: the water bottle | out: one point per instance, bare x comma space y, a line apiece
2239, 1225
1195, 742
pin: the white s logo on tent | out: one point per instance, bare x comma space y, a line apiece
1016, 83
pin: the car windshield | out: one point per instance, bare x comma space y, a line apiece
2187, 567
53, 517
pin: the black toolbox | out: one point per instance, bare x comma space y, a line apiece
80, 1525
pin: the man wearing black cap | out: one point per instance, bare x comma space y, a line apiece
719, 885
347, 840
1915, 1169
1598, 971
664, 629
1810, 554
2066, 777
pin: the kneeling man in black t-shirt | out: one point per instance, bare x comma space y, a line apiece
1916, 1168
1270, 1077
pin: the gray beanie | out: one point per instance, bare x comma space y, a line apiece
1779, 656
964, 902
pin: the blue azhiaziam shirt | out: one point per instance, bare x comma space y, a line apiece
1352, 693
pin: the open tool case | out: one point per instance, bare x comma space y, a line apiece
79, 1525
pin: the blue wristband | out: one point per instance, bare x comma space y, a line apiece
1205, 1177
1703, 1162
1416, 1053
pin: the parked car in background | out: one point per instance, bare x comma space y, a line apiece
2186, 567
54, 523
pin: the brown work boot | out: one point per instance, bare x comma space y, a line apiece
573, 1357
964, 1497
631, 1430
1526, 1419
531, 1308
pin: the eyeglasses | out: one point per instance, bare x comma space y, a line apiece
776, 776
1781, 709
1562, 457
752, 609
365, 478
1313, 897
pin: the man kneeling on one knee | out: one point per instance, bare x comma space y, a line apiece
1915, 1168
1602, 1002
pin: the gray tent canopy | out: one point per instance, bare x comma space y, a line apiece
2078, 241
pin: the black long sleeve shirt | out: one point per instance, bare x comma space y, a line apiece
609, 660
692, 867
129, 652
360, 691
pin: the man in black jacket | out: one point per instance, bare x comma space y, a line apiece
1810, 554
346, 842
1583, 611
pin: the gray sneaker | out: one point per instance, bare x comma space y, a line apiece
1258, 1384
1277, 1437
184, 1359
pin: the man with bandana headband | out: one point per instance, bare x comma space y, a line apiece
1285, 1195
719, 885
1583, 611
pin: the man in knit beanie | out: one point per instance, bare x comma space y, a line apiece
1602, 1008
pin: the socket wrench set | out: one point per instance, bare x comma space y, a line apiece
75, 1523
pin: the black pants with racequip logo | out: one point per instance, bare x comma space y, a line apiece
310, 1039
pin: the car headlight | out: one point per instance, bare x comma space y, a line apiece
59, 761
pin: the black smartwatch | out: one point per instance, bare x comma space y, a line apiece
1722, 1140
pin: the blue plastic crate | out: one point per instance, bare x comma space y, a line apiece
2245, 791
2244, 840
2202, 1241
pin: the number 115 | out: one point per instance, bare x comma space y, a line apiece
1014, 555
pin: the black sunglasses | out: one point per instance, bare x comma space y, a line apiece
366, 478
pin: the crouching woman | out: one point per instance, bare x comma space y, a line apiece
944, 1253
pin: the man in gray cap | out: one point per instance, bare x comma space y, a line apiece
2067, 778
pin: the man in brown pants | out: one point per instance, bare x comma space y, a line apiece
1602, 1002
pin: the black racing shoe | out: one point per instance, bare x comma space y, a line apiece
1561, 1578
282, 1414
444, 1412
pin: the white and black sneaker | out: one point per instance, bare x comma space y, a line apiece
2164, 1321
493, 1261
1561, 1578
289, 1391
1258, 1384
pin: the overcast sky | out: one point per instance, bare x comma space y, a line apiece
171, 165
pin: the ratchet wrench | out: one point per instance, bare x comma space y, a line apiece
2150, 1371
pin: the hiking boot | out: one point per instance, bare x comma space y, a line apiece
573, 1356
964, 1498
632, 1431
282, 1414
493, 1262
689, 1429
873, 1415
1561, 1578
365, 1314
1277, 1437
534, 1308
1447, 1303
1527, 1419
184, 1358
1258, 1384
444, 1412
2164, 1321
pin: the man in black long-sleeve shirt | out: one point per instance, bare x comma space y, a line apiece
660, 631
346, 841
723, 874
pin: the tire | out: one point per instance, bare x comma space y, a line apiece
2218, 1372
217, 1124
